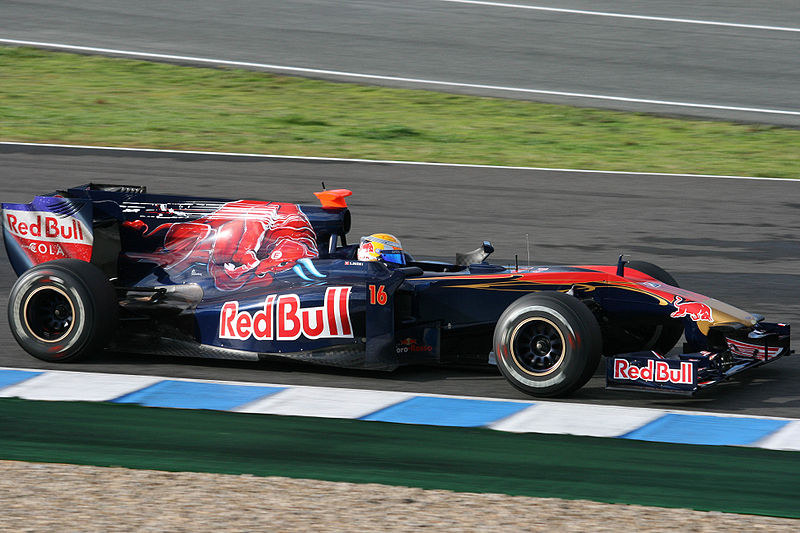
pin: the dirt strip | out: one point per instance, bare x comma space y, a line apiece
57, 497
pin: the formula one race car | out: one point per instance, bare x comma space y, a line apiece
112, 266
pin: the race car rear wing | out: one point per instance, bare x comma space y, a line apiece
48, 228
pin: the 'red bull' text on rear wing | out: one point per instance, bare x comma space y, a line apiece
48, 228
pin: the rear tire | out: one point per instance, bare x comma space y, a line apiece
62, 310
547, 344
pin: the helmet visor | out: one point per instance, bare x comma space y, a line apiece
395, 257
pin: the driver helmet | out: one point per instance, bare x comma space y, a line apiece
381, 247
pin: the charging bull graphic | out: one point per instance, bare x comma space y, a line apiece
242, 243
695, 310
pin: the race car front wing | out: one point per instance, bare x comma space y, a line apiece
732, 350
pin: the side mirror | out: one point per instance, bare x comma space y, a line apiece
478, 255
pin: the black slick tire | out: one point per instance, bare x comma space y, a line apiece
62, 310
547, 344
666, 336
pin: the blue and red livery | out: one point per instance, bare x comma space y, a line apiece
113, 266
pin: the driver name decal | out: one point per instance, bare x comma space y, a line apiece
283, 319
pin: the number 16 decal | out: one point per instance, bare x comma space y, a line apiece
377, 295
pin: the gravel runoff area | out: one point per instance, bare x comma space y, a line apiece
58, 497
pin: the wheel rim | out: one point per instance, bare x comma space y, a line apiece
537, 346
49, 314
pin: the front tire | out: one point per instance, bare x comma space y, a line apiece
663, 337
547, 344
62, 310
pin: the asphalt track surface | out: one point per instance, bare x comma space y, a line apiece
731, 65
731, 239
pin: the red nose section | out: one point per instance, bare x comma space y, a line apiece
333, 198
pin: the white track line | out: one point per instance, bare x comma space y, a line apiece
390, 161
415, 81
624, 15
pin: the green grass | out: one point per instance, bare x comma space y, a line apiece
73, 99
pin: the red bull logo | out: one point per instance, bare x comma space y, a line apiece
283, 319
695, 310
45, 236
45, 227
655, 371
